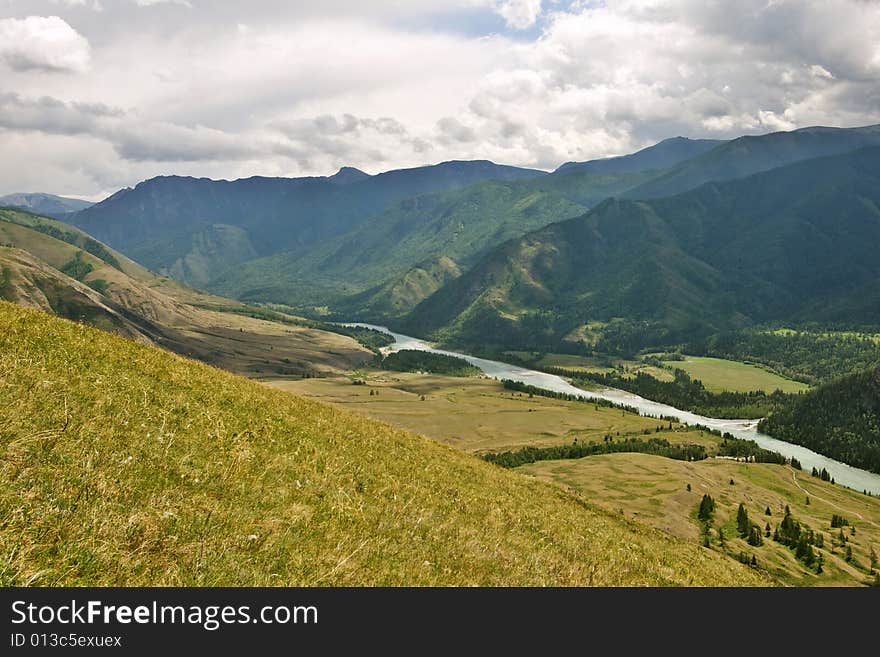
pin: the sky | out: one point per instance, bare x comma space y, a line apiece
96, 95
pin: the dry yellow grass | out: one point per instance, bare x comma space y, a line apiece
652, 489
123, 464
473, 414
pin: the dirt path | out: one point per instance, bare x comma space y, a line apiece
829, 502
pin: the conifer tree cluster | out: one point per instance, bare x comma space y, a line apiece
838, 521
747, 529
801, 539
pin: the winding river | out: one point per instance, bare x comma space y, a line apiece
843, 474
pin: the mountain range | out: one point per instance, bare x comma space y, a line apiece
44, 204
796, 242
195, 228
683, 238
684, 242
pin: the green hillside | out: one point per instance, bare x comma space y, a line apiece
840, 419
798, 242
457, 225
385, 267
126, 465
194, 228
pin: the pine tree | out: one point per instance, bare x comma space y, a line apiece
767, 512
755, 536
848, 555
707, 507
767, 530
873, 557
742, 521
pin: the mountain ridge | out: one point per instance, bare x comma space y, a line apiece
726, 254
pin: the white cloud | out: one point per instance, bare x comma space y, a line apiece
518, 14
303, 88
150, 3
44, 43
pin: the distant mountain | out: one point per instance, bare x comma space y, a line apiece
840, 419
795, 242
453, 226
400, 294
45, 204
659, 156
197, 227
330, 243
747, 155
348, 175
353, 274
344, 272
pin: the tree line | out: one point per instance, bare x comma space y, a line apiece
655, 446
412, 360
840, 419
686, 393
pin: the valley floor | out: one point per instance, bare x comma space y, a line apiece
478, 415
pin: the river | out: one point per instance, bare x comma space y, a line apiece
843, 474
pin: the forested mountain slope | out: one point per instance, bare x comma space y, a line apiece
795, 242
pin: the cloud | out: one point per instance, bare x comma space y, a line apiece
304, 88
518, 14
451, 131
45, 43
606, 78
133, 140
52, 116
326, 142
150, 3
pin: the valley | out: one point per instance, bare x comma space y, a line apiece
125, 464
618, 338
482, 416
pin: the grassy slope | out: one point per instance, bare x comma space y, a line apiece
474, 415
140, 304
124, 464
30, 282
652, 489
718, 374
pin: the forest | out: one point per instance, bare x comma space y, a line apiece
686, 393
809, 355
840, 419
411, 360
